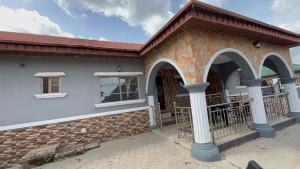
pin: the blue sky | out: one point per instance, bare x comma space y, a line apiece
129, 20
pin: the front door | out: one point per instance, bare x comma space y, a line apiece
160, 93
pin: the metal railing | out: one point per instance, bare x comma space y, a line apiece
230, 118
276, 106
213, 99
184, 123
271, 89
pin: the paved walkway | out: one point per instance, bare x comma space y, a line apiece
153, 151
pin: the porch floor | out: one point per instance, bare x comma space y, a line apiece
170, 133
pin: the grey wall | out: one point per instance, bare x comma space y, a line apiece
18, 86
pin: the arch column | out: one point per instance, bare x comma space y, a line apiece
294, 104
258, 109
203, 149
151, 110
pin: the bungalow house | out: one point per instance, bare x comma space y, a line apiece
69, 91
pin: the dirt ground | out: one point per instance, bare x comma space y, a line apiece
150, 150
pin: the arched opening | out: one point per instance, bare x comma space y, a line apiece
165, 83
273, 70
227, 97
226, 72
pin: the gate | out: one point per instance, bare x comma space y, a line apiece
230, 118
276, 106
184, 122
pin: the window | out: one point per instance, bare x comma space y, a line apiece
113, 89
51, 85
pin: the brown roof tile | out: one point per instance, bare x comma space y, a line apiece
193, 13
25, 38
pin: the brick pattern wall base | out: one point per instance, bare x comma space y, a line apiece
16, 143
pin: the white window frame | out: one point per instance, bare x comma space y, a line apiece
42, 75
120, 74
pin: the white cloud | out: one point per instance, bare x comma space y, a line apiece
214, 2
295, 52
28, 21
286, 14
151, 15
103, 39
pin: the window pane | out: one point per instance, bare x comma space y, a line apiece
109, 81
129, 88
109, 89
129, 84
55, 84
134, 80
55, 89
133, 88
124, 88
110, 98
130, 96
55, 81
45, 85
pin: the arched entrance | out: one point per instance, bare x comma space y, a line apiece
228, 101
275, 70
166, 92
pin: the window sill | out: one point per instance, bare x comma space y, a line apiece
240, 87
100, 105
50, 95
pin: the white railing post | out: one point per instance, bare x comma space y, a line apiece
258, 108
203, 149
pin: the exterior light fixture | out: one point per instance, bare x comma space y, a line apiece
119, 69
257, 44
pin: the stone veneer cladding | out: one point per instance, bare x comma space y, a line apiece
191, 49
17, 142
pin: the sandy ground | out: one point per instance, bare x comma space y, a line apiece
154, 151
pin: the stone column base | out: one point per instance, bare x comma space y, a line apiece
265, 130
208, 152
296, 115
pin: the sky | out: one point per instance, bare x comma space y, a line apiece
132, 21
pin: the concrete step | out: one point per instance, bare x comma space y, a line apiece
241, 138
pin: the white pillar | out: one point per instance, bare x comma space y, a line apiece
151, 110
258, 108
203, 149
294, 103
200, 118
227, 95
257, 105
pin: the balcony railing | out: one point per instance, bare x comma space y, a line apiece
213, 99
230, 118
184, 123
276, 106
